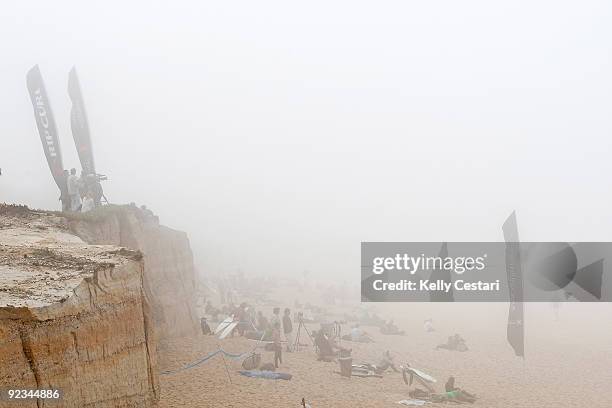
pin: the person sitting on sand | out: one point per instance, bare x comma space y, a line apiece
454, 396
456, 343
457, 396
390, 328
325, 349
385, 363
360, 336
205, 327
463, 394
428, 325
325, 346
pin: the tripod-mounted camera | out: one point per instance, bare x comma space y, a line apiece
333, 331
301, 325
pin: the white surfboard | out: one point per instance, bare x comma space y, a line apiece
421, 374
230, 328
223, 325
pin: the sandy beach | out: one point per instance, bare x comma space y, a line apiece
568, 362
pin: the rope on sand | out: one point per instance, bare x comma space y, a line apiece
204, 359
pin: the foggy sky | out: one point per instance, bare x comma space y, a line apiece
280, 135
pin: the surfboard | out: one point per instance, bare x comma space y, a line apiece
226, 332
223, 325
421, 374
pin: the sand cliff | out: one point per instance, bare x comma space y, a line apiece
168, 261
82, 314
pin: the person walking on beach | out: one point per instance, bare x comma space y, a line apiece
288, 328
275, 317
262, 322
278, 348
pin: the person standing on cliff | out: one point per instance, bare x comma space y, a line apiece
73, 190
88, 202
97, 192
83, 184
64, 196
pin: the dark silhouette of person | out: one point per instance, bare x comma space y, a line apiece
64, 196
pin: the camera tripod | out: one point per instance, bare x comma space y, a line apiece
296, 343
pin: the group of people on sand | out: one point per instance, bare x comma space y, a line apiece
80, 194
278, 331
328, 350
256, 326
276, 326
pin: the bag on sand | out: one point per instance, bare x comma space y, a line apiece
252, 362
346, 366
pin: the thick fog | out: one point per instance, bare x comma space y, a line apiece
280, 135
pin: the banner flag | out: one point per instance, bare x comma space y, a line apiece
45, 123
516, 326
79, 124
